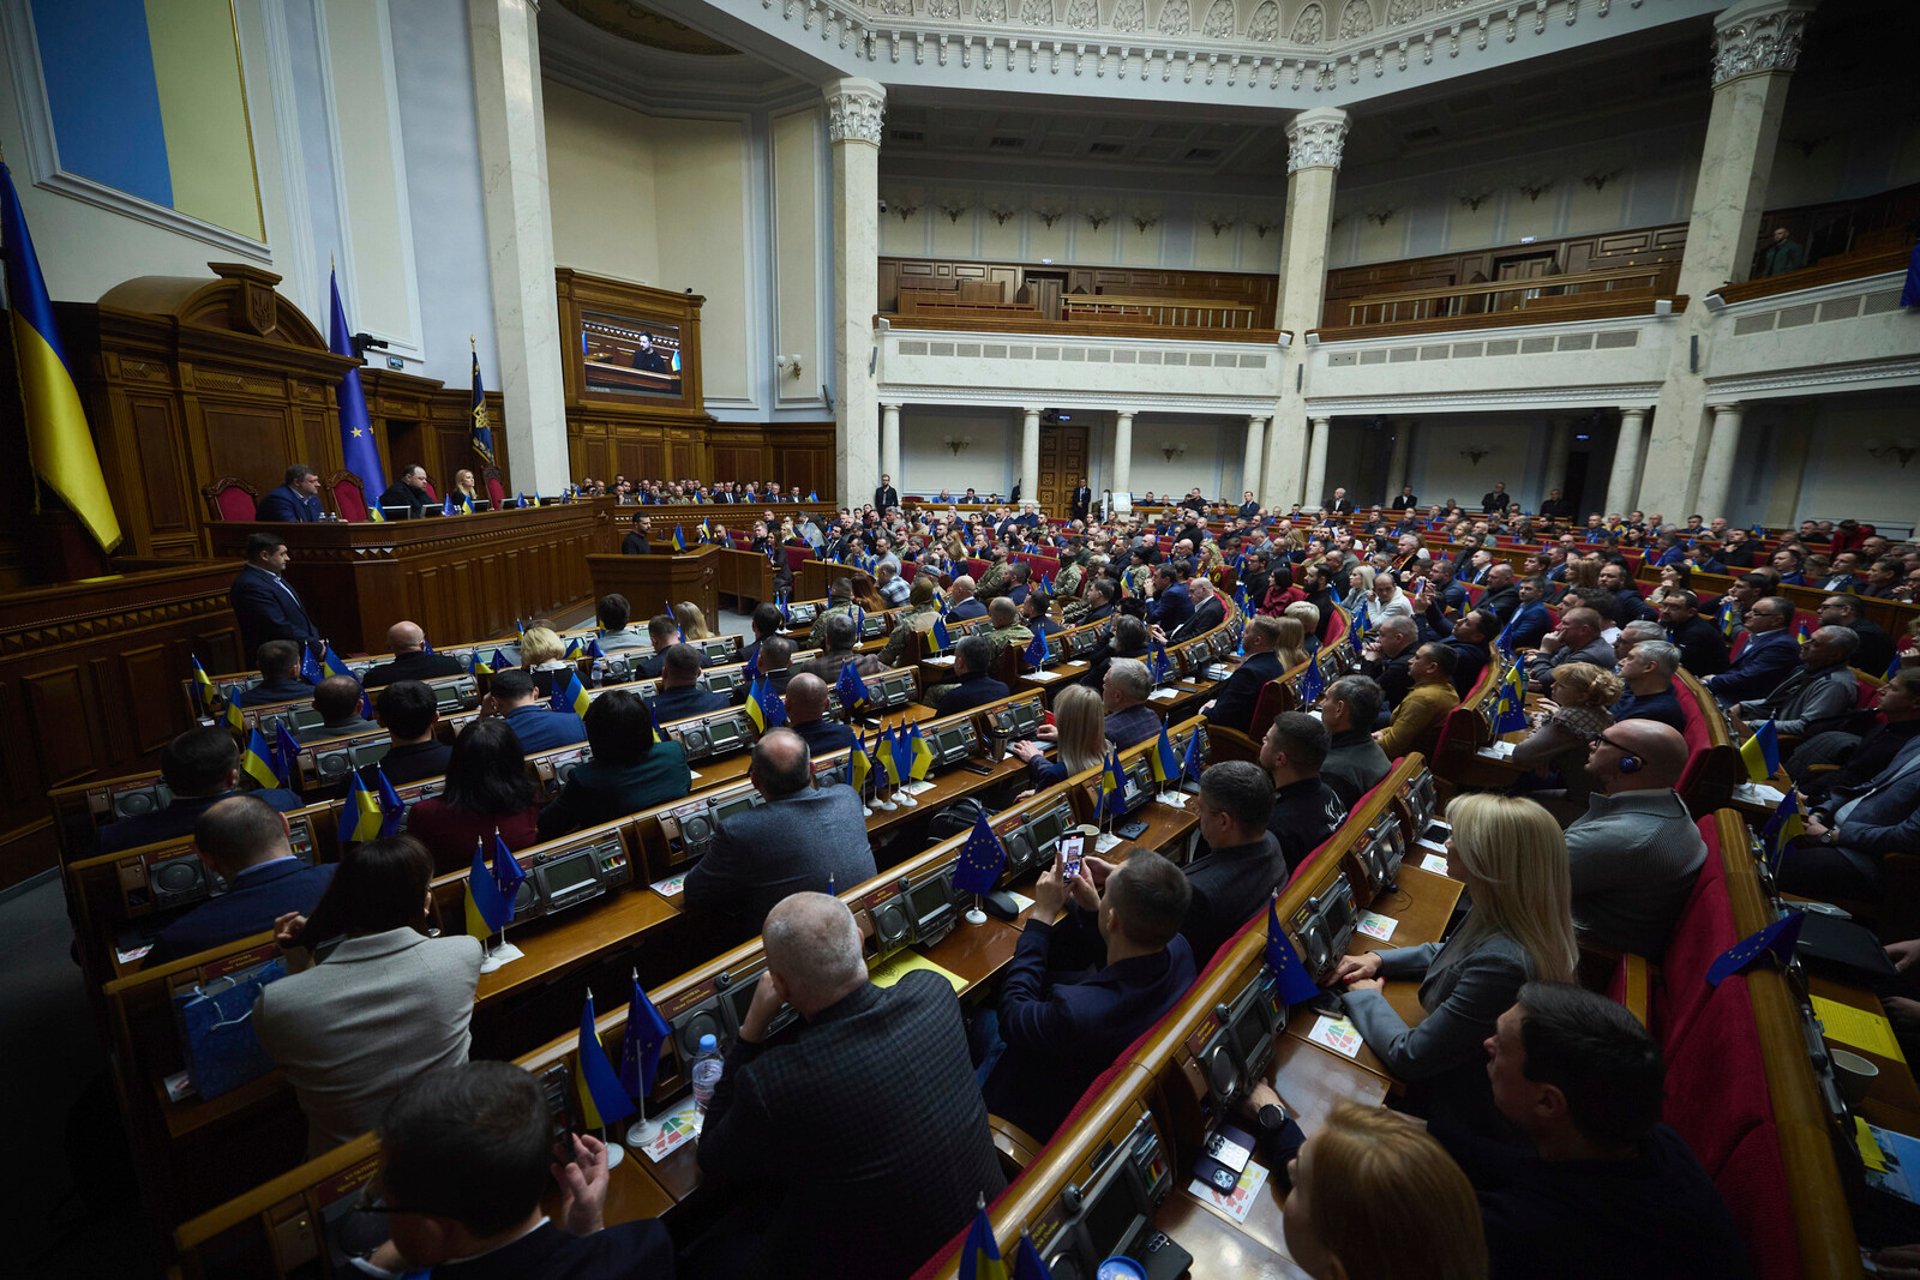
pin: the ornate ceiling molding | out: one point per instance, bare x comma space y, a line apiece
1315, 138
1758, 38
856, 110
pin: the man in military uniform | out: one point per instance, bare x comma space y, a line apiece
917, 616
839, 601
998, 577
1067, 585
1007, 629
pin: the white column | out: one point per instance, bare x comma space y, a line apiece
1716, 481
1625, 477
526, 312
1317, 465
890, 444
1559, 447
1756, 45
1256, 454
1315, 138
1123, 452
854, 111
1029, 477
1397, 461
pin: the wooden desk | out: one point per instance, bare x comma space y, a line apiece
649, 582
1894, 1100
456, 576
553, 952
1225, 1250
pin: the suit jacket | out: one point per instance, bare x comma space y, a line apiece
269, 691
824, 735
1703, 650
177, 819
355, 1029
287, 505
1131, 726
1464, 988
1418, 714
1201, 620
267, 609
1406, 502
1805, 698
787, 846
1470, 659
415, 761
883, 1082
404, 495
1633, 858
885, 496
1354, 765
967, 611
1060, 1035
1662, 706
679, 704
1229, 886
1875, 653
1170, 608
625, 1249
253, 901
1233, 705
1491, 502
540, 728
1342, 507
975, 691
1082, 502
413, 666
1528, 624
1502, 604
1884, 816
1768, 658
595, 792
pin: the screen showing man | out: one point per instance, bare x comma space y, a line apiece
630, 356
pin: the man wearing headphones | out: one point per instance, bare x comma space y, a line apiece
1634, 853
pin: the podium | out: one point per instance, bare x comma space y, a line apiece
650, 581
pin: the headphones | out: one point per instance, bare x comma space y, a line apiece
1629, 764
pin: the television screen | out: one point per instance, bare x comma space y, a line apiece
566, 872
927, 898
628, 356
1109, 1219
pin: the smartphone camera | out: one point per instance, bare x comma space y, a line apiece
1072, 849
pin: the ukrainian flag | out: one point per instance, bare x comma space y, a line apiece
706, 534
487, 910
360, 817
1113, 785
572, 698
1166, 766
1786, 826
980, 1255
203, 686
757, 704
859, 764
235, 721
1762, 752
679, 539
59, 445
888, 757
255, 763
939, 641
922, 758
331, 661
603, 1101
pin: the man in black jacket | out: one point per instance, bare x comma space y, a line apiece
279, 676
637, 543
1082, 502
1305, 809
265, 607
1233, 705
886, 497
972, 660
409, 711
406, 498
1243, 864
1875, 653
1703, 650
412, 660
1496, 502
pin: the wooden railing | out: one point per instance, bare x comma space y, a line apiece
1493, 296
1192, 313
1616, 304
1846, 266
927, 304
1121, 327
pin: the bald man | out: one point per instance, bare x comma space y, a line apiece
1634, 853
807, 716
411, 658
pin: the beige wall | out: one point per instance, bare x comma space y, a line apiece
799, 198
600, 180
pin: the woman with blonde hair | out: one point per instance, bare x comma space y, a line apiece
1510, 854
1567, 722
1583, 572
1290, 644
1079, 731
542, 649
1359, 588
1307, 614
463, 487
693, 622
1375, 1198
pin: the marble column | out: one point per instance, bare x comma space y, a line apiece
890, 444
526, 311
1756, 44
1397, 461
1624, 480
854, 111
1029, 476
1256, 454
1314, 141
1122, 452
1317, 465
1716, 480
1559, 448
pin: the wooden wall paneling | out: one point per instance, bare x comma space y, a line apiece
150, 725
246, 441
154, 429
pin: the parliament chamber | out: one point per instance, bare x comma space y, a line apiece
1309, 605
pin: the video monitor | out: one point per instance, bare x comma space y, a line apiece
1251, 1036
630, 355
724, 734
1112, 1217
568, 878
1048, 827
929, 899
724, 809
740, 999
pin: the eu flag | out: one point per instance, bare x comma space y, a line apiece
1776, 940
851, 688
1036, 653
357, 447
393, 811
1027, 1263
1313, 683
981, 858
942, 641
481, 429
1296, 984
285, 752
602, 1100
1191, 765
1162, 666
508, 875
1510, 704
640, 1048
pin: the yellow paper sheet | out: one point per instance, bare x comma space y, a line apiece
904, 962
1869, 1149
1858, 1028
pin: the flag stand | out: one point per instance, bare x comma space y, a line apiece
975, 916
615, 1154
902, 796
505, 953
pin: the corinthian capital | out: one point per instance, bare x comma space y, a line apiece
1757, 37
855, 108
1314, 139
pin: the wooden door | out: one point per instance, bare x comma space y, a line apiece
1063, 460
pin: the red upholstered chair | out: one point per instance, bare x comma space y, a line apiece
230, 498
349, 498
1336, 629
432, 492
496, 490
1753, 1182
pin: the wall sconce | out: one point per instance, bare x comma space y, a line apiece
1474, 452
1904, 449
953, 209
905, 205
957, 445
1599, 181
1220, 222
1807, 146
1098, 218
1144, 220
1000, 211
789, 365
1475, 198
1534, 188
1380, 215
1172, 451
1264, 225
1049, 212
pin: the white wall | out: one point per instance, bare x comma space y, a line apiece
988, 464
1437, 471
1841, 478
700, 220
1215, 449
600, 176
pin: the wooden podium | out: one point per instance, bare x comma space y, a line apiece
649, 582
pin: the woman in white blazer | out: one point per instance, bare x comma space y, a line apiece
389, 1002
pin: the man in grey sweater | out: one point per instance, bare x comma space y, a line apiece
1634, 854
1823, 689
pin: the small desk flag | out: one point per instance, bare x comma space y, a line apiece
1762, 752
1295, 983
647, 1032
1776, 940
981, 859
1166, 767
602, 1101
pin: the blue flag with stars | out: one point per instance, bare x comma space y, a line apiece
1510, 704
981, 858
1776, 940
358, 450
647, 1032
943, 642
1036, 652
1295, 983
1313, 683
1162, 665
1191, 765
1783, 828
310, 669
851, 688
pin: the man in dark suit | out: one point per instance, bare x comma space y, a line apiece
1172, 603
337, 699
1059, 1034
1082, 501
1530, 621
1703, 649
243, 840
886, 497
803, 839
1770, 655
807, 716
296, 500
1306, 809
1233, 705
1339, 504
448, 1124
1875, 652
279, 676
1502, 597
406, 498
1556, 507
962, 605
263, 604
972, 662
200, 767
536, 725
636, 542
1853, 831
680, 694
409, 712
1249, 505
1469, 641
1209, 611
865, 1127
1242, 864
411, 658
1406, 501
1496, 502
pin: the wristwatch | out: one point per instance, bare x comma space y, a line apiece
1272, 1117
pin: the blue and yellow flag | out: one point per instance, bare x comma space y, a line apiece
59, 445
980, 1255
571, 696
706, 533
487, 911
360, 816
285, 755
1113, 787
1762, 752
602, 1100
1776, 940
764, 705
235, 720
332, 663
920, 757
1166, 766
647, 1032
1785, 826
357, 446
852, 689
208, 696
257, 764
393, 810
480, 429
1510, 704
679, 539
859, 764
1191, 765
938, 641
887, 757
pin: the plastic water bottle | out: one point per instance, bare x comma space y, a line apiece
707, 1066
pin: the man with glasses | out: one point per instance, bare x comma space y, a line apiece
1875, 653
1769, 657
1635, 852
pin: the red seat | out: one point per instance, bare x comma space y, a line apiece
1705, 930
1336, 628
432, 492
496, 491
1753, 1182
231, 498
349, 498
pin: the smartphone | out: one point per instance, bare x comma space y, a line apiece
1071, 849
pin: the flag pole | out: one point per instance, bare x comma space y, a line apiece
507, 953
905, 796
643, 1131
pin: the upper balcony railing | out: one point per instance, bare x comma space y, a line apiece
1494, 297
